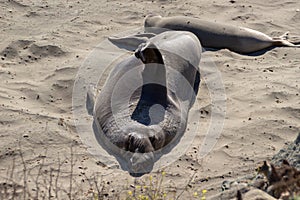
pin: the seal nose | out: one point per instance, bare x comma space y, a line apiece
142, 159
141, 163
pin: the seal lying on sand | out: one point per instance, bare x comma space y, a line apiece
142, 110
217, 35
211, 34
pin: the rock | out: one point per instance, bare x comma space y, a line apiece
257, 194
291, 152
297, 141
232, 192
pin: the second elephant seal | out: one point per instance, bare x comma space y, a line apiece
218, 35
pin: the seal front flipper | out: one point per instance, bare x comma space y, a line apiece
130, 43
90, 99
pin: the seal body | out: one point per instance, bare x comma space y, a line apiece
217, 35
142, 110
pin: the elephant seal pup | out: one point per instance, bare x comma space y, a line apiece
217, 35
141, 112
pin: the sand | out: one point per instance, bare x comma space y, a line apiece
44, 43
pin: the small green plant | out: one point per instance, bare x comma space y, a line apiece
296, 198
63, 180
202, 196
151, 189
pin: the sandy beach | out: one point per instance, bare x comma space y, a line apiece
43, 45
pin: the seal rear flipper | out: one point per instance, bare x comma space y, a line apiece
130, 43
282, 41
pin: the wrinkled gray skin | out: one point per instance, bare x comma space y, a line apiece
217, 35
142, 110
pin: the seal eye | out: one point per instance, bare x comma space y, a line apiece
153, 141
158, 141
